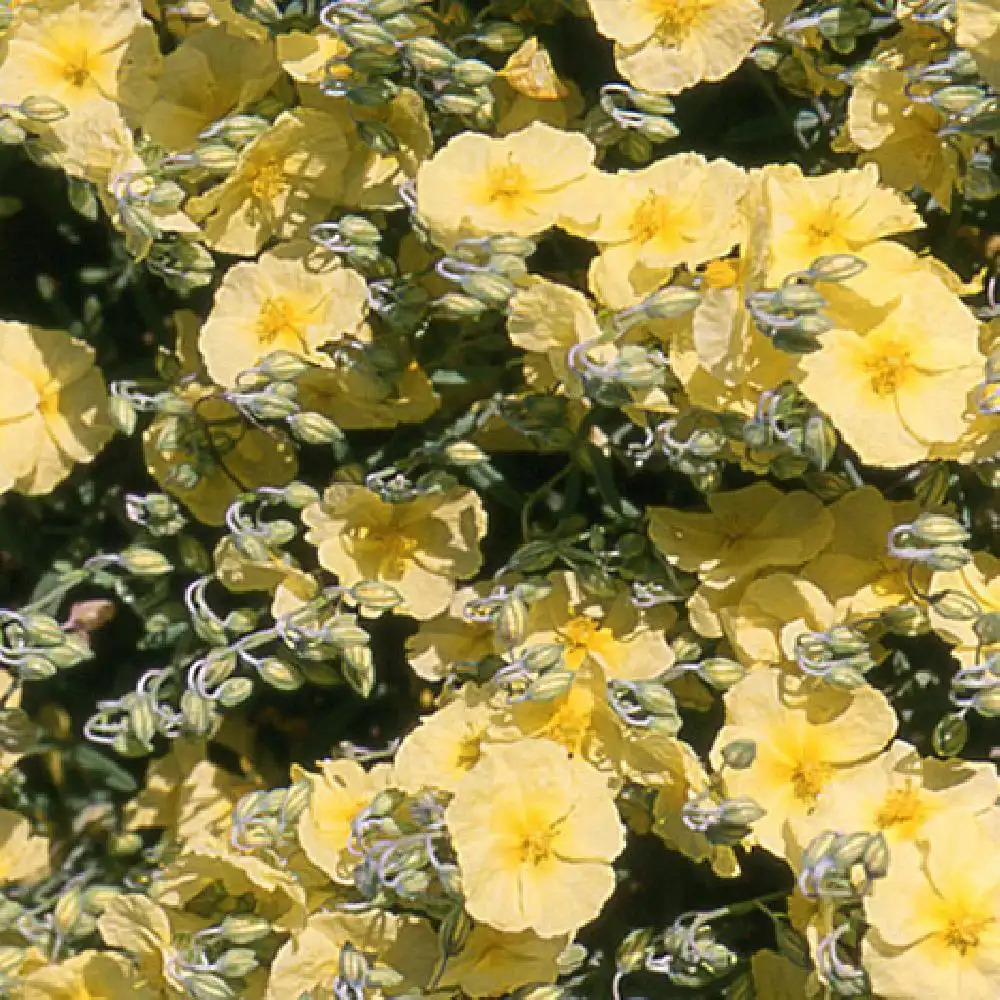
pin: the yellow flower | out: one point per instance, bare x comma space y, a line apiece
936, 915
286, 181
683, 778
519, 184
535, 832
899, 793
492, 964
530, 72
450, 638
419, 547
228, 455
208, 76
901, 136
679, 210
24, 858
89, 56
445, 745
744, 531
806, 733
338, 793
840, 212
668, 45
53, 408
896, 380
980, 580
89, 975
186, 794
358, 398
771, 614
280, 303
625, 641
550, 319
401, 950
855, 570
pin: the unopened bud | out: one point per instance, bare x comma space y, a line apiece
550, 685
938, 530
145, 562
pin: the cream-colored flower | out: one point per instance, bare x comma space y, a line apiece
679, 210
896, 380
286, 180
899, 793
280, 303
805, 733
53, 407
844, 211
24, 858
668, 45
90, 56
420, 547
935, 917
744, 531
535, 832
492, 963
210, 75
451, 638
610, 631
340, 790
445, 745
519, 184
88, 975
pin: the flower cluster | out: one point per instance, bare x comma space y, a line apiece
475, 527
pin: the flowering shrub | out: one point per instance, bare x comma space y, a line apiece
498, 499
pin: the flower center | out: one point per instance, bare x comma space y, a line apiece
76, 71
887, 370
583, 636
279, 320
506, 186
677, 17
962, 933
537, 846
901, 807
653, 218
268, 181
391, 550
808, 779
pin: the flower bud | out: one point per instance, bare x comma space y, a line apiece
217, 156
244, 928
234, 692
145, 562
938, 530
987, 628
740, 754
472, 73
314, 428
632, 952
488, 288
236, 963
359, 669
299, 495
950, 736
279, 674
429, 56
552, 684
670, 302
376, 596
721, 672
948, 557
206, 986
543, 657
454, 305
44, 110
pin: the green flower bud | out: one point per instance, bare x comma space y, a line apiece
44, 110
299, 495
314, 428
740, 754
721, 672
236, 963
632, 952
550, 685
217, 156
244, 929
472, 73
279, 674
375, 596
543, 657
359, 669
956, 605
938, 530
234, 692
950, 736
429, 55
454, 305
145, 562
